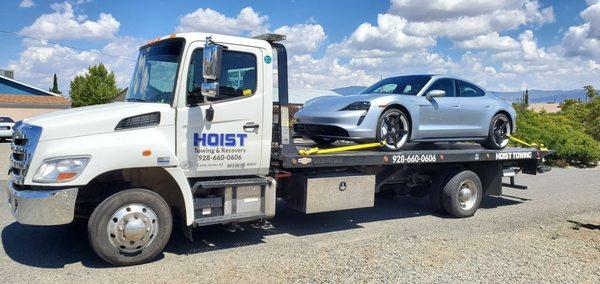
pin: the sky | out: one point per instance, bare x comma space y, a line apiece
507, 45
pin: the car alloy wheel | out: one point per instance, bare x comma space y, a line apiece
394, 129
501, 131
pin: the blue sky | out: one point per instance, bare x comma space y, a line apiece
503, 45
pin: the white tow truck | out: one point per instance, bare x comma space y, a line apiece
198, 142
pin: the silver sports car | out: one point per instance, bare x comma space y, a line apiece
418, 108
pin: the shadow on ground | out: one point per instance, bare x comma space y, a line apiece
57, 246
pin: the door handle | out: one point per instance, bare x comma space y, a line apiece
250, 126
456, 106
488, 106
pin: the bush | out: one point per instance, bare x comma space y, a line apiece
560, 132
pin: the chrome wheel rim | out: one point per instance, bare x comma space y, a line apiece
467, 194
501, 131
132, 228
394, 130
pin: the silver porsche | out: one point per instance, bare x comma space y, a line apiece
416, 108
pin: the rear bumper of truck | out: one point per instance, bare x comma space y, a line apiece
42, 207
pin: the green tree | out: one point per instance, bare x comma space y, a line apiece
559, 132
97, 86
54, 88
590, 92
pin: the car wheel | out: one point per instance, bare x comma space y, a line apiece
462, 194
499, 132
323, 141
130, 227
393, 129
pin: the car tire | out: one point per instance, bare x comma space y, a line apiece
462, 194
402, 124
496, 130
137, 217
323, 141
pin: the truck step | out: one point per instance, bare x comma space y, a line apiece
239, 217
230, 183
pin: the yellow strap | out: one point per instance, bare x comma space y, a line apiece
316, 150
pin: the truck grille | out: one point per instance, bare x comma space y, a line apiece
24, 141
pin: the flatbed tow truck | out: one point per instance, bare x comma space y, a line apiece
201, 146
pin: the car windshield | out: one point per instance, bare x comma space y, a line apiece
6, 119
403, 85
155, 72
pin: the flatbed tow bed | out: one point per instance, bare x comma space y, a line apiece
413, 154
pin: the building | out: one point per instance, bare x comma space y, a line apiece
19, 100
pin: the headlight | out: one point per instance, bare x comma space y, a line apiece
358, 106
60, 169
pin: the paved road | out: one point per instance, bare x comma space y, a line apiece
550, 232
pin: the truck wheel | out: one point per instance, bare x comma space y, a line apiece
462, 194
130, 227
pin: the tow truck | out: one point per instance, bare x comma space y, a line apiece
198, 143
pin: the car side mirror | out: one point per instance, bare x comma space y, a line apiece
435, 94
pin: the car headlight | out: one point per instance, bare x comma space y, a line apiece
60, 169
358, 106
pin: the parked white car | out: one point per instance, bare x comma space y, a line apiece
6, 127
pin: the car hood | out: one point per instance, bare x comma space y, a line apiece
92, 119
332, 103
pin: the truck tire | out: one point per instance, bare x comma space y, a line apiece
462, 194
130, 227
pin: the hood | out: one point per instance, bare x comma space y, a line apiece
328, 103
92, 119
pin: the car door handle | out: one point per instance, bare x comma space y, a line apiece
488, 106
456, 106
250, 126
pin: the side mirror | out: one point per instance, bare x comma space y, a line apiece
211, 61
435, 94
210, 89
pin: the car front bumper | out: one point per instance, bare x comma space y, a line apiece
39, 207
6, 133
351, 125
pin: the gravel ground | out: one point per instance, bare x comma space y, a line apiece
549, 233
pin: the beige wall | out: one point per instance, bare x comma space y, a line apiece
18, 113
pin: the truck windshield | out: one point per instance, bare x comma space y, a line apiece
403, 85
155, 72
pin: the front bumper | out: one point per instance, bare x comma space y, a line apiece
36, 207
6, 133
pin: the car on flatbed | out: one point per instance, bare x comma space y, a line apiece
197, 143
415, 108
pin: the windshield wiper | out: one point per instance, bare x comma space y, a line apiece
135, 100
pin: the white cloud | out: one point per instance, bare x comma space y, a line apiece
63, 23
40, 60
26, 4
387, 35
584, 40
209, 20
302, 38
492, 41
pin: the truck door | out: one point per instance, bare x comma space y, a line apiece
231, 142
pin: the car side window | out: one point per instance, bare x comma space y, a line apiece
469, 90
446, 85
238, 75
386, 89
